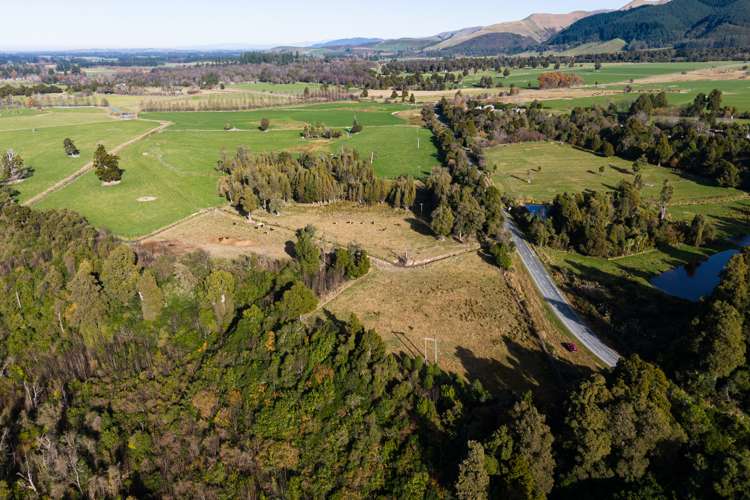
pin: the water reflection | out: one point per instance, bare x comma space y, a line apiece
696, 279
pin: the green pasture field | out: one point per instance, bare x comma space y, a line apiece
338, 115
567, 169
609, 73
163, 166
275, 88
735, 93
43, 149
55, 117
15, 112
177, 166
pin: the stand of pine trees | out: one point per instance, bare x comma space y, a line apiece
268, 180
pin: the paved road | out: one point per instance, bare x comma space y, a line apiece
557, 301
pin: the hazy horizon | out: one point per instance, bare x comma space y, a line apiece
90, 25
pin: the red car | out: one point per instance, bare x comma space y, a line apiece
570, 347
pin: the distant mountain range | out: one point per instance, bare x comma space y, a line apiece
648, 23
502, 37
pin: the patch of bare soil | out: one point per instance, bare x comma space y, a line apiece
222, 235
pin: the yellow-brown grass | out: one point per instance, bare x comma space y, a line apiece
483, 329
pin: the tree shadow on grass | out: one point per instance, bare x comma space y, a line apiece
622, 170
547, 377
419, 226
289, 249
634, 317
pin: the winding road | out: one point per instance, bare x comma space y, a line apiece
554, 297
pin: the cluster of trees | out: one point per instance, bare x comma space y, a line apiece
324, 272
255, 396
612, 224
280, 58
709, 107
558, 79
28, 90
107, 166
333, 72
702, 146
267, 181
320, 131
12, 168
465, 203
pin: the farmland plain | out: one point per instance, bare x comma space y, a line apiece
175, 169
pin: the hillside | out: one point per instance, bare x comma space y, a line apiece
642, 3
538, 27
695, 22
491, 44
347, 42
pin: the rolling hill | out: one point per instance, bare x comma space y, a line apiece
695, 22
537, 27
642, 3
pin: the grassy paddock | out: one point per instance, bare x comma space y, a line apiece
735, 93
223, 236
567, 169
43, 149
608, 74
482, 331
339, 115
56, 117
385, 233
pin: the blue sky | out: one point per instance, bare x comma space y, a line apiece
191, 23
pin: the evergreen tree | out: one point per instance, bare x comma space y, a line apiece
663, 149
665, 197
70, 148
720, 344
442, 220
107, 166
306, 251
151, 296
356, 127
120, 275
473, 481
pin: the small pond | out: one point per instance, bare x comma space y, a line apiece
537, 210
693, 281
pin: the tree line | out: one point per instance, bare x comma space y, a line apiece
29, 90
464, 201
546, 59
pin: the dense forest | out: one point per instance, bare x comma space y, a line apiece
694, 23
127, 373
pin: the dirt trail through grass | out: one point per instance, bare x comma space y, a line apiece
68, 180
